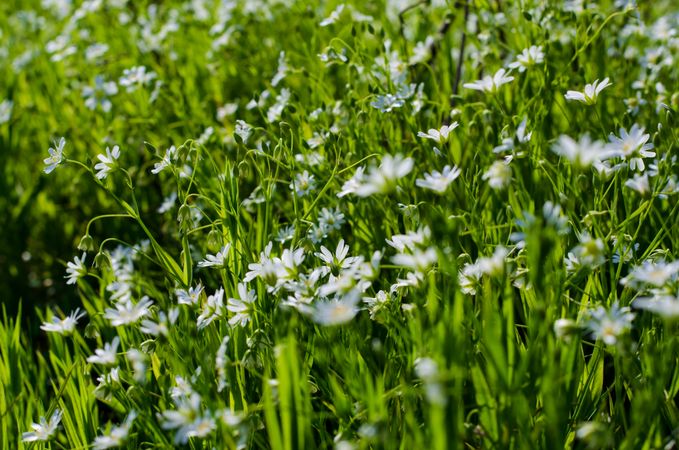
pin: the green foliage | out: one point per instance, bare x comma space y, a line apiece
298, 224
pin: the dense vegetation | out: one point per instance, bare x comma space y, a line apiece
288, 224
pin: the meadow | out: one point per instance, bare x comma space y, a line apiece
295, 224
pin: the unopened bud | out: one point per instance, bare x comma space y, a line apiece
86, 243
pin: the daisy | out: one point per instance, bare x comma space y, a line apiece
590, 94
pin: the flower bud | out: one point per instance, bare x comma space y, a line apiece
86, 243
102, 260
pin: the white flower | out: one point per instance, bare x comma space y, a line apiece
336, 312
64, 326
243, 130
633, 146
56, 155
107, 355
655, 274
189, 297
218, 260
639, 183
499, 175
126, 313
664, 305
438, 181
419, 260
116, 436
6, 107
241, 307
589, 96
75, 270
333, 17
166, 161
97, 95
609, 325
439, 136
382, 179
528, 58
582, 153
212, 309
45, 430
490, 84
303, 184
136, 76
107, 162
589, 253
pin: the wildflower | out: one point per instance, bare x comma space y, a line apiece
589, 253
6, 107
75, 270
419, 260
135, 77
241, 307
187, 419
303, 184
633, 146
166, 161
583, 153
499, 175
107, 162
333, 17
663, 304
281, 71
439, 136
212, 309
162, 327
190, 296
565, 328
243, 130
438, 181
528, 58
330, 219
107, 355
656, 274
382, 179
490, 84
97, 95
336, 312
116, 436
274, 112
45, 430
590, 94
126, 313
56, 155
63, 326
609, 325
220, 363
218, 260
639, 184
428, 370
138, 361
